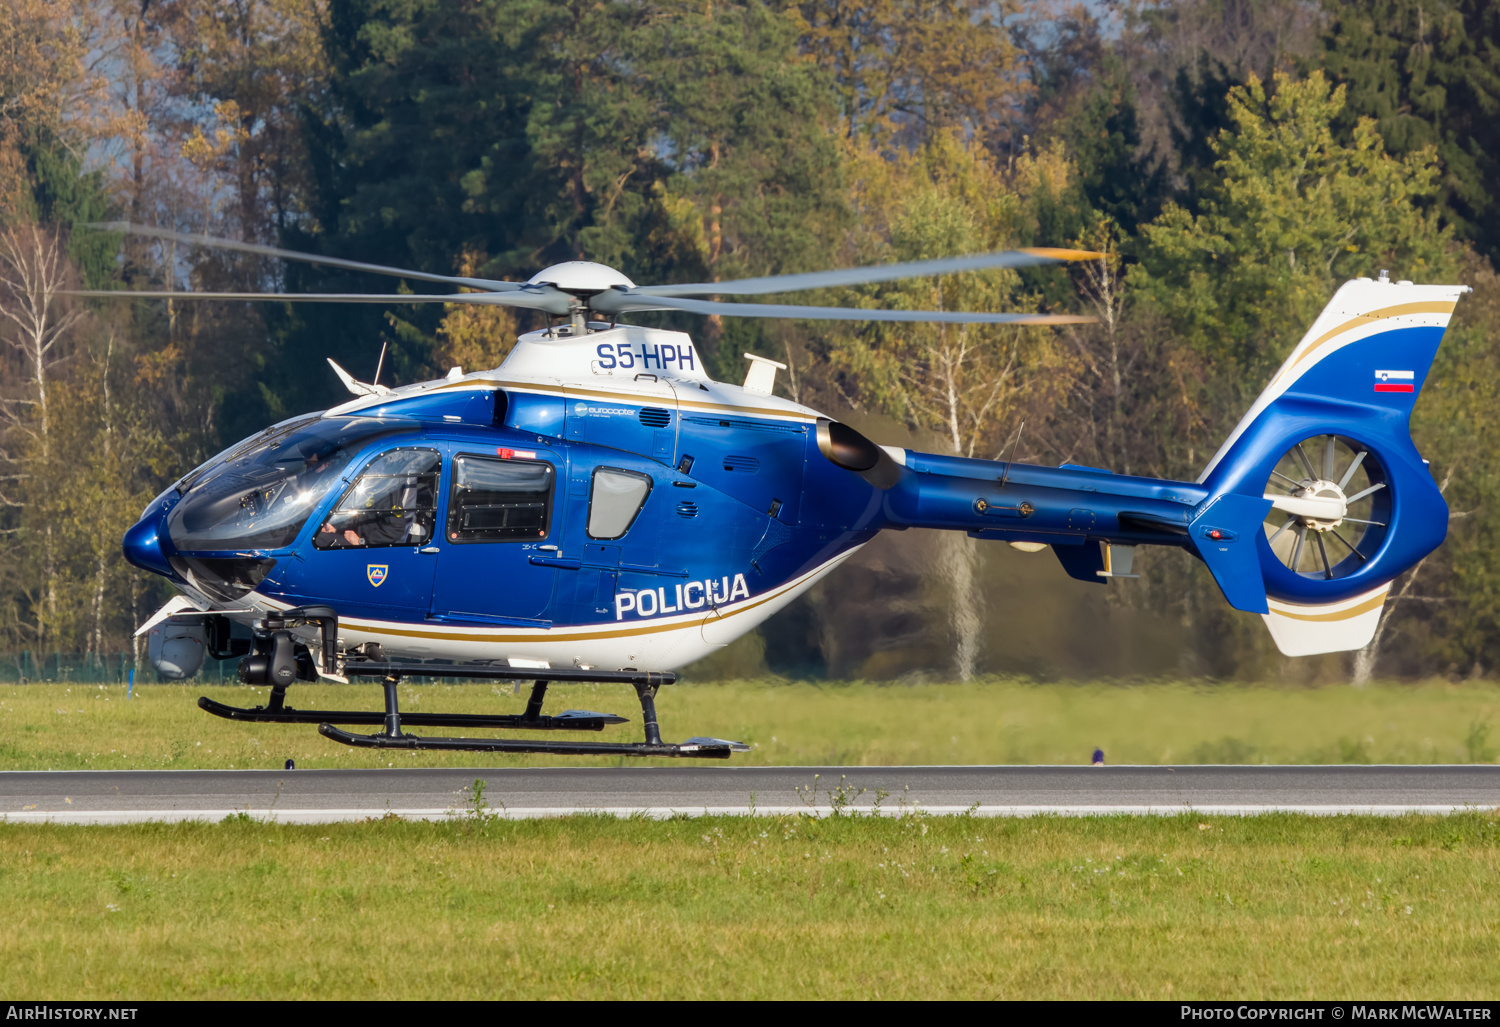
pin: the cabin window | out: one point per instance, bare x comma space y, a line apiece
496, 500
393, 503
616, 498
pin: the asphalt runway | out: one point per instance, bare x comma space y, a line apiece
324, 796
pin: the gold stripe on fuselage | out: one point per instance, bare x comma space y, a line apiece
580, 633
564, 391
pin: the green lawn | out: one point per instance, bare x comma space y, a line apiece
990, 721
915, 907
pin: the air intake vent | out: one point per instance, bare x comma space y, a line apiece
686, 509
656, 417
745, 464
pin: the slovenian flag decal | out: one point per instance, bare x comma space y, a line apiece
1394, 381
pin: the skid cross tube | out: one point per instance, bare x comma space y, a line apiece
647, 694
646, 684
392, 713
534, 704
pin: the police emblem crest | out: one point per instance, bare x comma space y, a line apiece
376, 572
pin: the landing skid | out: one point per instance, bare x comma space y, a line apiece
393, 721
700, 748
568, 720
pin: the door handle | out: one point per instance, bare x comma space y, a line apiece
429, 549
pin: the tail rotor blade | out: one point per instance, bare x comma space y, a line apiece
1349, 546
1361, 495
1289, 522
1305, 461
1358, 459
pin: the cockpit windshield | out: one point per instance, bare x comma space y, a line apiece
258, 494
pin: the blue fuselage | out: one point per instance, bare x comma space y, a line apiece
735, 508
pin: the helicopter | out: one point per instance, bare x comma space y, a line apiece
598, 508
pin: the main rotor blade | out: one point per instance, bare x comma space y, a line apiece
624, 302
548, 300
193, 239
870, 275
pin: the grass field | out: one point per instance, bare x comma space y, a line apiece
911, 907
1274, 906
991, 721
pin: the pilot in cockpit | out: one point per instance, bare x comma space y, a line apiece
392, 504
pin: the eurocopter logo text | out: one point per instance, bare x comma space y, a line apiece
583, 408
692, 596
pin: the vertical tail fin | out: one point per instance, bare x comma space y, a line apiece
1321, 476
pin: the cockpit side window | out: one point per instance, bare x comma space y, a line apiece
393, 503
496, 500
614, 501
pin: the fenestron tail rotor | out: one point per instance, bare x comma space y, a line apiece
579, 288
1329, 507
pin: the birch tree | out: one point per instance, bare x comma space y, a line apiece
38, 323
964, 384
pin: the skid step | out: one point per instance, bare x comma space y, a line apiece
695, 748
568, 720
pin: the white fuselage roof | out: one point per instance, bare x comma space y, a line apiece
624, 361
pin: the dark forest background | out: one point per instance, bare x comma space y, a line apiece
1234, 159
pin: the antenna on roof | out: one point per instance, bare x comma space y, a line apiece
378, 365
1013, 446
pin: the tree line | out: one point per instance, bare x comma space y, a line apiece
1233, 160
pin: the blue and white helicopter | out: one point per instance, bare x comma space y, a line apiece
598, 509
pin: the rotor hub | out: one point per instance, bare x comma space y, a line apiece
581, 278
1322, 489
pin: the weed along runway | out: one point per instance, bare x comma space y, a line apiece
326, 796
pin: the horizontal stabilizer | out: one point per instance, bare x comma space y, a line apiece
1225, 536
1330, 628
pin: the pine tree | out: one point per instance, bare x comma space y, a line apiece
1426, 71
